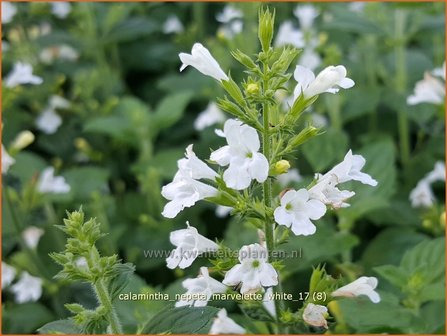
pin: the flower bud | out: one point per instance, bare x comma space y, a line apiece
252, 88
281, 167
442, 220
306, 134
22, 140
266, 23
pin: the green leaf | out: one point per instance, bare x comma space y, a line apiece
27, 166
114, 126
25, 318
171, 109
326, 149
183, 320
60, 327
393, 274
128, 30
121, 280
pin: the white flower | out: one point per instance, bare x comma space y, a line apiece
422, 195
293, 175
8, 274
309, 59
22, 73
8, 12
185, 189
61, 9
48, 183
306, 14
210, 116
31, 236
429, 90
7, 160
362, 286
330, 79
440, 72
27, 289
315, 315
288, 34
172, 25
349, 169
223, 211
228, 14
268, 302
61, 52
357, 6
201, 59
318, 120
241, 155
200, 289
254, 272
230, 29
297, 210
48, 121
437, 174
222, 324
189, 245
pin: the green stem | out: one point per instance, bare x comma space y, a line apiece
268, 225
401, 83
104, 299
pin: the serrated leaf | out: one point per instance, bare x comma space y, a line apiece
60, 327
183, 320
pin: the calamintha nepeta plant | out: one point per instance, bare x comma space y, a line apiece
260, 140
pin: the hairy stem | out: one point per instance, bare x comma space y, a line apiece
105, 300
267, 195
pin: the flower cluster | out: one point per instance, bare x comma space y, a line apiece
246, 162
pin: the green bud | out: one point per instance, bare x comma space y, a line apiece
253, 88
285, 59
230, 107
306, 134
74, 308
233, 90
280, 167
244, 59
266, 24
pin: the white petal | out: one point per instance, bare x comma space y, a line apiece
259, 167
269, 277
233, 276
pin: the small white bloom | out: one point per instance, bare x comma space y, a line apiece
48, 183
327, 192
422, 195
185, 189
229, 30
172, 25
437, 174
60, 9
202, 288
268, 302
189, 245
440, 72
229, 13
222, 324
315, 315
362, 286
8, 274
309, 59
8, 12
429, 90
241, 156
350, 169
61, 52
58, 102
201, 59
223, 211
210, 116
306, 14
330, 79
27, 289
357, 6
293, 175
31, 236
319, 120
254, 272
22, 73
7, 160
48, 121
288, 34
297, 210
